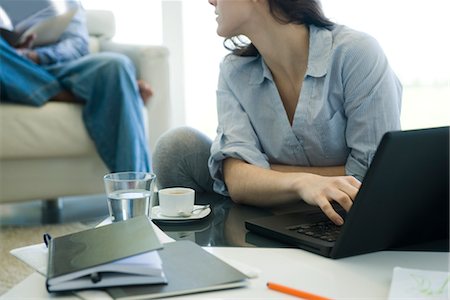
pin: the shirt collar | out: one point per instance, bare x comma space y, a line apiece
320, 42
260, 72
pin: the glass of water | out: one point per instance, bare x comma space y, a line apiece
130, 194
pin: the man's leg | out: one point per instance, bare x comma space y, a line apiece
113, 111
22, 81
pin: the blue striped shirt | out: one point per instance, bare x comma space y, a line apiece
349, 98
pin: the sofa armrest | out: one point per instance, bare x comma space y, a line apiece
152, 65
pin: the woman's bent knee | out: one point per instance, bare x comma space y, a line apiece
173, 154
181, 140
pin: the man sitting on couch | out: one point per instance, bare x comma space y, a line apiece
65, 71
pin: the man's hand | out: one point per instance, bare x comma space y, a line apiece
25, 49
28, 43
32, 55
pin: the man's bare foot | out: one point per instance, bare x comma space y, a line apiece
145, 90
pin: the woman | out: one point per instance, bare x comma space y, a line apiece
302, 108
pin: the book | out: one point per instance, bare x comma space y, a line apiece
48, 30
189, 269
122, 253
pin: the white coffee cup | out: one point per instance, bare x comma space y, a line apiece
176, 201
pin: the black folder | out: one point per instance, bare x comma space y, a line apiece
189, 269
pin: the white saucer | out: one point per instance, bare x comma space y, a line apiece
196, 215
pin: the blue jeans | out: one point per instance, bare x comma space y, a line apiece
104, 82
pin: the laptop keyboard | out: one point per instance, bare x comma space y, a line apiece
326, 230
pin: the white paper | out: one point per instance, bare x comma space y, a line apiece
145, 264
5, 21
35, 256
419, 284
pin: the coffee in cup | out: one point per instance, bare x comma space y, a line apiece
176, 201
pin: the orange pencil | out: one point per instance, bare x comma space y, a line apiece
294, 292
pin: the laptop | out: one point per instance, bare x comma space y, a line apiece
403, 203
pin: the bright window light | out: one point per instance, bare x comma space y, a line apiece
413, 35
137, 21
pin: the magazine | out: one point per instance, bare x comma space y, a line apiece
47, 31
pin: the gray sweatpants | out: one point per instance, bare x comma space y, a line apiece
181, 157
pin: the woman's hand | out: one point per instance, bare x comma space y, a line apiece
252, 185
322, 190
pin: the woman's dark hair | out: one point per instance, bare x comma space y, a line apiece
308, 12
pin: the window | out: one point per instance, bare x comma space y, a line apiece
413, 35
137, 22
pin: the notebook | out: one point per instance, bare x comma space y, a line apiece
122, 253
189, 269
403, 203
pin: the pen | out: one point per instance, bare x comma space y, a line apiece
294, 292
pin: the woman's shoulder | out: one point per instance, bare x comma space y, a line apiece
348, 40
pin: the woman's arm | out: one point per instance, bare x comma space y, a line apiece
323, 171
372, 105
253, 185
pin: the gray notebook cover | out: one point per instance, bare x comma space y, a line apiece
93, 247
188, 269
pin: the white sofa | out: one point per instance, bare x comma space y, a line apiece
46, 153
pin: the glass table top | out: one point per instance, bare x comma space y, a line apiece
225, 225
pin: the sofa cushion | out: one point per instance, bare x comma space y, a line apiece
53, 130
50, 131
